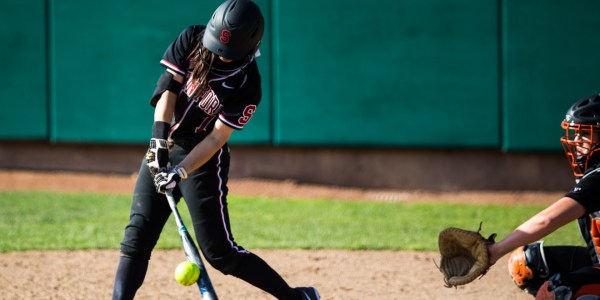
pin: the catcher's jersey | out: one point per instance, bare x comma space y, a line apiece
587, 193
231, 98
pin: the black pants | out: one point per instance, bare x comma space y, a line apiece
570, 262
205, 193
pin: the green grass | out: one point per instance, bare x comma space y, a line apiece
44, 221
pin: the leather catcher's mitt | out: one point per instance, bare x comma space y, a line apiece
464, 254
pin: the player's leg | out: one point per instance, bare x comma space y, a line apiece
149, 213
532, 265
583, 283
129, 277
205, 192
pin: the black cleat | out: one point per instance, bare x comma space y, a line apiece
308, 293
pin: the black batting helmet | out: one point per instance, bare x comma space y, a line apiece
582, 138
234, 30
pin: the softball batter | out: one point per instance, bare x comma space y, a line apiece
210, 88
564, 272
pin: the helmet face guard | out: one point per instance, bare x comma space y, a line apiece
235, 30
582, 137
579, 143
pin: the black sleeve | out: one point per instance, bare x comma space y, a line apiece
587, 191
176, 56
237, 112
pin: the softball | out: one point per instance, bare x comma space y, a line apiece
187, 273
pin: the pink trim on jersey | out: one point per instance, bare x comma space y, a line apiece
172, 67
234, 125
222, 206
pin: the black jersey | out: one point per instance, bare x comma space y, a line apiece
231, 98
587, 191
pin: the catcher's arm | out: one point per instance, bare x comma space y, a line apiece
537, 227
464, 255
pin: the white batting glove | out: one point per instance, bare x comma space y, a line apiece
157, 157
168, 179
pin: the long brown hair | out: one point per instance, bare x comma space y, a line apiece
199, 77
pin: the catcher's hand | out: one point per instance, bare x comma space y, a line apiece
465, 255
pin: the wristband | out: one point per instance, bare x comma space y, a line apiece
181, 172
160, 130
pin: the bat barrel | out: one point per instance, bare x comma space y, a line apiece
191, 252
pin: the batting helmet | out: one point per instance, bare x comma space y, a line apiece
235, 30
582, 126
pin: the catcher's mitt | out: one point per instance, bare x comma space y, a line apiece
464, 254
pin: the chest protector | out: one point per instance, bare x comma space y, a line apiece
590, 230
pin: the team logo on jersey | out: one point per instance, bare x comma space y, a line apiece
210, 103
190, 87
225, 36
247, 114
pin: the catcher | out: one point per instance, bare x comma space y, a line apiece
548, 272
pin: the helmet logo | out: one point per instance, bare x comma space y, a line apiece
225, 35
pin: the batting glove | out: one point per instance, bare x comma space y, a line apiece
168, 179
157, 157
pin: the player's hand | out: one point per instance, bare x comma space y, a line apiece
157, 157
168, 179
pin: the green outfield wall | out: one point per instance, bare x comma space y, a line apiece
451, 74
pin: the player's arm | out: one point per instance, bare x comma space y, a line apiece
195, 159
164, 98
207, 147
165, 106
542, 224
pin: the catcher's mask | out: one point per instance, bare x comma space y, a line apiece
582, 137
